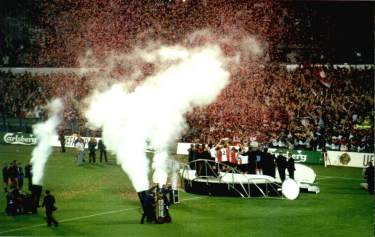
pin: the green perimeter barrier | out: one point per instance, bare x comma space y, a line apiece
300, 156
17, 138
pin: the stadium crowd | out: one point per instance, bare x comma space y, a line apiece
60, 41
307, 108
294, 109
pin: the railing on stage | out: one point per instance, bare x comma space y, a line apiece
214, 173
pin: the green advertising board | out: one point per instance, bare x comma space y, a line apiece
300, 156
17, 138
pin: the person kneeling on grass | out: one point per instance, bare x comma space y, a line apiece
49, 204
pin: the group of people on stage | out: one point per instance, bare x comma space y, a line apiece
242, 159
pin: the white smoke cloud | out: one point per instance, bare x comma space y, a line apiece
45, 132
154, 111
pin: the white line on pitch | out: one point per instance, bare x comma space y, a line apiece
321, 177
85, 217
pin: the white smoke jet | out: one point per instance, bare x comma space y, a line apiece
45, 133
159, 164
155, 110
173, 167
196, 81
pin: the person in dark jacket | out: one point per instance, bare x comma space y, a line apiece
28, 175
192, 156
62, 139
290, 166
103, 151
281, 166
13, 174
200, 165
268, 163
92, 146
369, 175
49, 204
5, 177
252, 165
20, 175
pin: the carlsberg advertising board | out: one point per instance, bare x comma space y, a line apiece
29, 139
18, 138
300, 156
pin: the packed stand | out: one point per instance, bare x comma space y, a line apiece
308, 108
25, 96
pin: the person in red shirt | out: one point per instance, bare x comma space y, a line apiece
233, 157
219, 156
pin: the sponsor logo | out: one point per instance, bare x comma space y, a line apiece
367, 158
344, 159
20, 138
299, 157
70, 141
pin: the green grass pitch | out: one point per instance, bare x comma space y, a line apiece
98, 200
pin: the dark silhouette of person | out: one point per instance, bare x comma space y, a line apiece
258, 161
148, 205
28, 175
252, 162
103, 151
49, 204
200, 165
12, 198
290, 166
13, 174
36, 192
20, 176
192, 156
5, 177
272, 166
62, 139
369, 175
281, 166
92, 146
268, 163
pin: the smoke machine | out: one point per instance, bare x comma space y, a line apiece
155, 204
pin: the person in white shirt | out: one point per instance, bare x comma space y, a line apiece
80, 147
